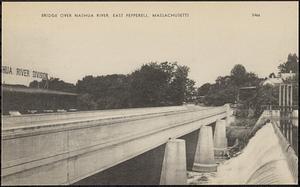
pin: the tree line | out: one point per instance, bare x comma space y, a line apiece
227, 89
167, 83
153, 84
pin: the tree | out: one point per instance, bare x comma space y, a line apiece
190, 91
161, 84
148, 85
292, 64
153, 84
226, 88
272, 75
251, 79
178, 86
238, 74
223, 82
266, 95
203, 90
53, 84
86, 102
110, 91
218, 97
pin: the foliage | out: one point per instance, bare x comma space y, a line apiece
53, 84
148, 85
190, 91
272, 75
161, 84
203, 90
220, 96
108, 92
154, 84
266, 95
225, 90
241, 130
292, 64
238, 74
233, 133
86, 102
167, 83
245, 122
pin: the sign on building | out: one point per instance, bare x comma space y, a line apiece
24, 72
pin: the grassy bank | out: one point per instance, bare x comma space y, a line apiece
242, 129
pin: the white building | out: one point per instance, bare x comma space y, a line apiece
277, 80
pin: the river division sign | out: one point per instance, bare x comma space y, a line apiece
24, 72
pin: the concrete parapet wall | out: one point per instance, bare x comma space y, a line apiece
288, 151
261, 162
292, 158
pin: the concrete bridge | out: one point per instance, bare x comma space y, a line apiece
65, 148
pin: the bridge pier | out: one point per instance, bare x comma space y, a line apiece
191, 141
204, 158
220, 140
174, 165
229, 117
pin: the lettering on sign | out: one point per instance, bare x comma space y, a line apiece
40, 75
6, 70
24, 72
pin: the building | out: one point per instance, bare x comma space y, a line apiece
35, 100
273, 80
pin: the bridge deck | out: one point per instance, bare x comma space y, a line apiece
31, 120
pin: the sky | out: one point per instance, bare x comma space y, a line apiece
210, 39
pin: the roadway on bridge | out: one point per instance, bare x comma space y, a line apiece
31, 120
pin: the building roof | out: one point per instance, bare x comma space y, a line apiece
272, 81
10, 88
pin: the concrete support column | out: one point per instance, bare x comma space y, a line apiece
174, 164
220, 140
279, 95
291, 96
283, 95
204, 158
228, 115
295, 117
294, 124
